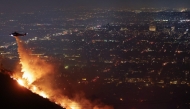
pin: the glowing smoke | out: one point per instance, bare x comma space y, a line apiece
35, 69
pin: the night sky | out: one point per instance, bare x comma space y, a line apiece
8, 5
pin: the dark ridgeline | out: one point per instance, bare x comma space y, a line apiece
14, 96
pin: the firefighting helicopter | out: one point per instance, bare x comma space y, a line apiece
16, 34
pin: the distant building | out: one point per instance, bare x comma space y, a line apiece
152, 28
2, 49
172, 28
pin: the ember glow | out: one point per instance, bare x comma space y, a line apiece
20, 82
34, 69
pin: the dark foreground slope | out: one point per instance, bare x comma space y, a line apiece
14, 96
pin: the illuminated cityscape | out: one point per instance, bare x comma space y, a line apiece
127, 58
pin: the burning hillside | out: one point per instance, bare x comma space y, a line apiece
35, 69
